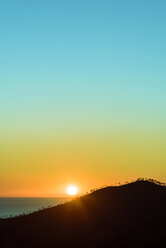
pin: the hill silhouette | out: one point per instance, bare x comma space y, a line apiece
131, 215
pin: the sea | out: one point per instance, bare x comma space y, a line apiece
13, 206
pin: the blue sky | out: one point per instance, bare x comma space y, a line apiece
82, 62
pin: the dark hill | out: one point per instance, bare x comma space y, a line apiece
132, 215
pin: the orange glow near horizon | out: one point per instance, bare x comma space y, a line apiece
43, 167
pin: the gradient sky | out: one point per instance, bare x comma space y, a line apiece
82, 94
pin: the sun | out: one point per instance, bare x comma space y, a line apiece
72, 190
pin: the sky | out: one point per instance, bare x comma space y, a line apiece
82, 94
